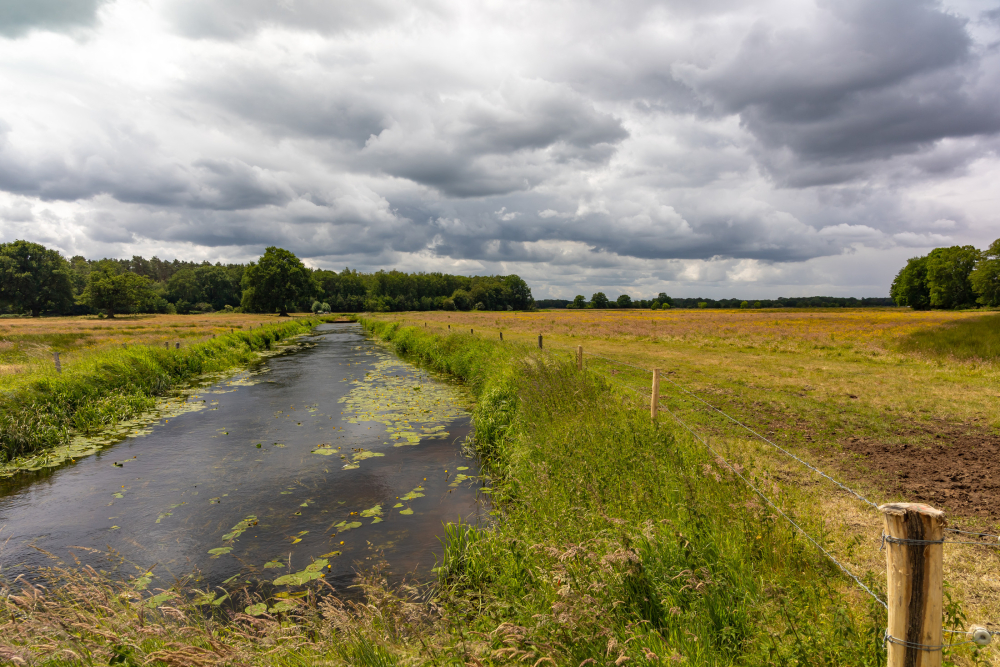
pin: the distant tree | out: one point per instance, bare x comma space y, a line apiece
624, 301
703, 304
34, 278
599, 300
579, 301
217, 286
80, 268
948, 272
756, 304
113, 290
744, 304
985, 278
462, 300
909, 287
184, 286
664, 299
656, 306
277, 280
516, 293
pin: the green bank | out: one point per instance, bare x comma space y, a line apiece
114, 385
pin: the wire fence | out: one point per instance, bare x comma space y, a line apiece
734, 469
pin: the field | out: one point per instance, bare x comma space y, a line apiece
27, 344
874, 397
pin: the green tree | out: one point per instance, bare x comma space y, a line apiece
115, 291
275, 281
948, 272
579, 301
985, 278
184, 286
664, 299
34, 278
599, 300
624, 301
909, 287
217, 286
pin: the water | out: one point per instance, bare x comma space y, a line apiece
354, 446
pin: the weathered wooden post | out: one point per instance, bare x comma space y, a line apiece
654, 398
472, 331
55, 356
914, 558
539, 341
166, 344
177, 346
501, 336
579, 357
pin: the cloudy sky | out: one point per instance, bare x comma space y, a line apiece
698, 147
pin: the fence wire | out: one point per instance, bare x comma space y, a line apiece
777, 509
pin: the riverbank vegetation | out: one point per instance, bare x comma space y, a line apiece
111, 372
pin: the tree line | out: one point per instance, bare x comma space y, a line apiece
600, 300
36, 280
950, 278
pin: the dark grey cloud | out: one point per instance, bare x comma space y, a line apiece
19, 17
233, 19
868, 81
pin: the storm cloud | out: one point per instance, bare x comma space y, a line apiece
716, 147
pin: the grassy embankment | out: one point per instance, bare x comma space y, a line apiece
113, 371
819, 383
614, 541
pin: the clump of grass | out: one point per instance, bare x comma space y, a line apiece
116, 384
975, 339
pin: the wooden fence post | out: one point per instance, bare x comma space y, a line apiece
177, 346
501, 336
654, 398
472, 331
914, 558
58, 365
579, 357
539, 341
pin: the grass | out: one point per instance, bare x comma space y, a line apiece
114, 381
613, 541
968, 340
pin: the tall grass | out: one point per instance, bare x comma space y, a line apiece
107, 387
972, 339
616, 540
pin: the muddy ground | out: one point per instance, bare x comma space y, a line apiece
952, 467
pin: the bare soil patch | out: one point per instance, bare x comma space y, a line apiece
952, 467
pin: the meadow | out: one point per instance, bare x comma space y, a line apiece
27, 344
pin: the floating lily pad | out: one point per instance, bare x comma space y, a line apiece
406, 511
256, 609
219, 551
344, 526
240, 528
332, 554
374, 511
272, 564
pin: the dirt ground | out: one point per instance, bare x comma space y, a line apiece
954, 467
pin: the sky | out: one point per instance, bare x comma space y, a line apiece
717, 148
